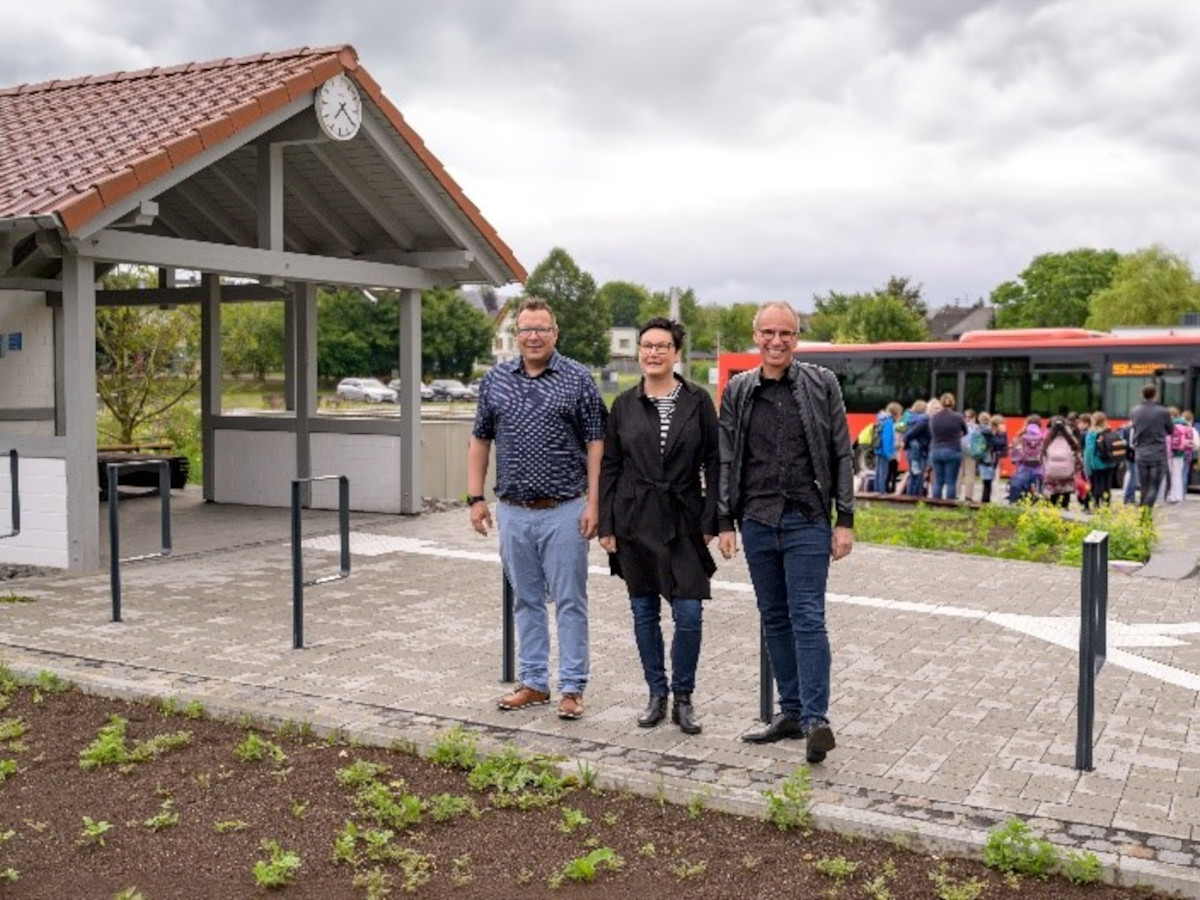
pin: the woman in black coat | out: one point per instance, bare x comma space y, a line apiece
657, 516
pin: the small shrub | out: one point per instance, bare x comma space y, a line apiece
443, 807
255, 749
167, 817
948, 888
1013, 847
836, 867
279, 869
109, 747
360, 773
455, 748
572, 819
93, 831
585, 868
1081, 867
8, 768
790, 807
683, 870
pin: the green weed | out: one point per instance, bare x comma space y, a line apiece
109, 747
278, 869
1081, 867
167, 817
1013, 847
517, 780
360, 773
230, 825
836, 867
8, 768
950, 889
12, 729
790, 807
376, 882
683, 870
443, 807
388, 805
93, 831
256, 749
572, 819
456, 749
585, 868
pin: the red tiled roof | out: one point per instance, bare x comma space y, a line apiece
72, 148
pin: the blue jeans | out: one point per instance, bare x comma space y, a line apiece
946, 462
916, 475
1131, 481
545, 556
789, 566
685, 645
881, 473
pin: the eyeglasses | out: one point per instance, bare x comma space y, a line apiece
656, 348
770, 334
534, 331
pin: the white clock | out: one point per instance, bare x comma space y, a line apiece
339, 108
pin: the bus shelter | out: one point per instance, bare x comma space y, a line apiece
271, 175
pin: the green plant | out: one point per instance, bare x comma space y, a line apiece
518, 780
93, 831
17, 598
610, 819
585, 868
461, 874
165, 818
455, 748
443, 807
129, 893
648, 849
587, 774
698, 802
299, 808
790, 807
51, 684
572, 819
376, 882
388, 804
950, 889
230, 825
109, 747
360, 772
292, 728
683, 870
255, 749
12, 729
836, 867
280, 867
8, 767
877, 888
1013, 847
1081, 867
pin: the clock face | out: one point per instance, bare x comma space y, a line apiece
339, 108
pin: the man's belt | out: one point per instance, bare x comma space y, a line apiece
537, 502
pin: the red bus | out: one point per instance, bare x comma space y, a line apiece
1050, 371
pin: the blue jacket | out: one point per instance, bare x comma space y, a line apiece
887, 435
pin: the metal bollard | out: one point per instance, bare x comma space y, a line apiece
1093, 640
766, 680
508, 632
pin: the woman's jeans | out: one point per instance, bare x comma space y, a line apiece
881, 473
789, 567
543, 551
946, 461
915, 486
685, 645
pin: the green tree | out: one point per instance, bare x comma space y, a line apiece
252, 338
1054, 290
894, 312
358, 334
624, 300
1149, 287
583, 319
454, 334
737, 327
144, 356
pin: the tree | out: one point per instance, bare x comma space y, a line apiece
252, 338
736, 327
583, 319
454, 334
1149, 287
894, 312
144, 356
624, 300
358, 335
1054, 290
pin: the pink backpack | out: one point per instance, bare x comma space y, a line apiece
1060, 459
1181, 438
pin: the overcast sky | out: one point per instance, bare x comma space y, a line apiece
750, 149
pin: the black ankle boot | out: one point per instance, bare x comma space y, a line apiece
684, 716
656, 711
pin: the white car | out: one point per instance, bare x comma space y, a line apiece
371, 390
426, 390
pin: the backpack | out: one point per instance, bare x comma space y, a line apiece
877, 436
977, 445
1182, 438
1060, 459
1026, 449
1111, 448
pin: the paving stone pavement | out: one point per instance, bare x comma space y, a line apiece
954, 685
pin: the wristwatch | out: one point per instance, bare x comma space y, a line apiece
472, 499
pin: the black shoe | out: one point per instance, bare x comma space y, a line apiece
818, 740
684, 716
656, 711
782, 726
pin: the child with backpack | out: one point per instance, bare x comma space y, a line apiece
995, 438
1102, 447
1182, 441
1060, 461
1026, 455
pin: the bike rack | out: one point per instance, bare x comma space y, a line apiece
766, 682
298, 582
1093, 640
15, 486
508, 632
114, 523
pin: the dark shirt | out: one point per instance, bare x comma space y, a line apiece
1152, 425
947, 427
541, 427
779, 474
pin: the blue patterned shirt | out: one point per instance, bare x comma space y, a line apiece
541, 427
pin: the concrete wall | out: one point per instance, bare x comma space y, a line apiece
26, 375
254, 467
43, 537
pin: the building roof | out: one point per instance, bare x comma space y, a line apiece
78, 154
950, 322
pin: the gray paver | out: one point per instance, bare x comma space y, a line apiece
949, 718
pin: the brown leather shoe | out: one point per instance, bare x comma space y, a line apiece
523, 698
570, 706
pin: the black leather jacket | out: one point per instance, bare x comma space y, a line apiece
823, 418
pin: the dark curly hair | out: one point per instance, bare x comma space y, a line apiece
678, 332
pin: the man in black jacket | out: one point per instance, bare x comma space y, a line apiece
786, 464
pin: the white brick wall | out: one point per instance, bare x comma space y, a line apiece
370, 461
254, 467
43, 537
27, 375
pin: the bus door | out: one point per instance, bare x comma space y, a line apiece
1172, 387
972, 388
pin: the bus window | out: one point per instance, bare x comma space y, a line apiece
1061, 388
1121, 394
868, 385
1170, 390
1010, 393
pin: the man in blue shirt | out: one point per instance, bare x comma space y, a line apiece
545, 415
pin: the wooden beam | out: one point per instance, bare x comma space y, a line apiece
366, 195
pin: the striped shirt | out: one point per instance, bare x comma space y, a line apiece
541, 427
666, 410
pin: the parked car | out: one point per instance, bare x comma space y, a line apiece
450, 389
473, 387
426, 390
369, 389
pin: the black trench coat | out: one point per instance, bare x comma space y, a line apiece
653, 501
